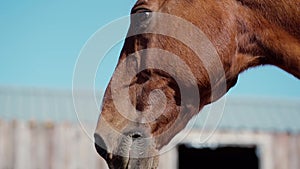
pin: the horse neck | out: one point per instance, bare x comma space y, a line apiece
269, 41
283, 50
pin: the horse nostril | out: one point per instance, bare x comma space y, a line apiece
136, 136
100, 146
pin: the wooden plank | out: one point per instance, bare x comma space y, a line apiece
58, 153
40, 147
73, 147
83, 154
34, 144
72, 141
22, 144
280, 151
48, 129
84, 150
265, 146
298, 150
3, 139
293, 152
65, 154
6, 145
2, 145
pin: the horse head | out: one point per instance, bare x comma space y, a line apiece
179, 56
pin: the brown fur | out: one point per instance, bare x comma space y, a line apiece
246, 33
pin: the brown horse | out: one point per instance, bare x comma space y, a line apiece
244, 33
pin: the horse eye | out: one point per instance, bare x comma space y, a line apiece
145, 16
143, 13
140, 19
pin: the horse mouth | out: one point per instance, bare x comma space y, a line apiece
134, 150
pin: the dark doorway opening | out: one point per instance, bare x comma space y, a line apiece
227, 157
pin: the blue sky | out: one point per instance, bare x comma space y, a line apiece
41, 40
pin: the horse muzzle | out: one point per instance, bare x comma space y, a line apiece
132, 149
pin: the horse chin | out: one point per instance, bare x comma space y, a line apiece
134, 163
135, 152
136, 157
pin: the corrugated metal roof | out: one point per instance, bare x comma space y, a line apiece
257, 114
261, 114
41, 104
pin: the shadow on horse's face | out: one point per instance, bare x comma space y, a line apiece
178, 57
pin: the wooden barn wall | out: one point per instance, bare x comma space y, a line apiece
29, 145
286, 151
